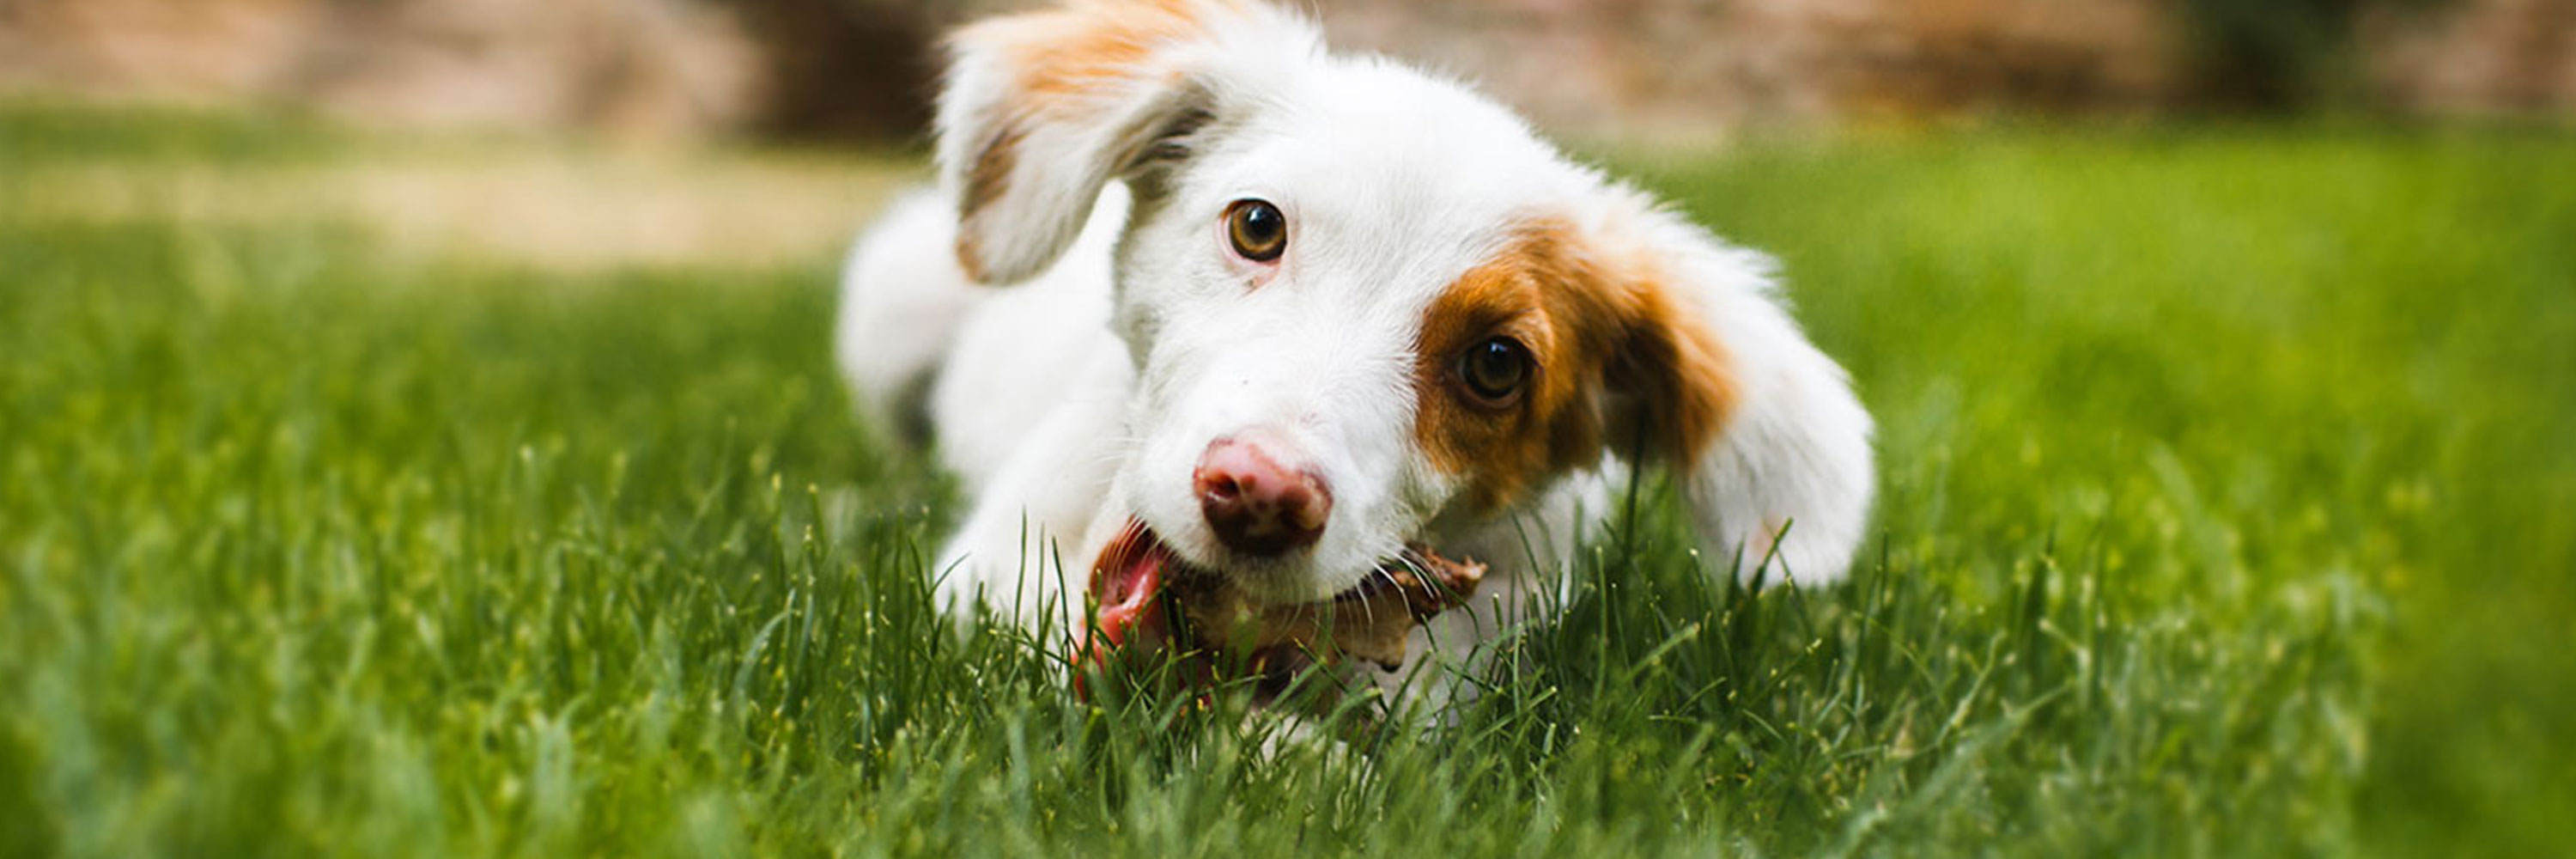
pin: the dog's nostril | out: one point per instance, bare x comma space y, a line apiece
1310, 516
1219, 488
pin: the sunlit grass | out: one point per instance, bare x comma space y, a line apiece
2226, 504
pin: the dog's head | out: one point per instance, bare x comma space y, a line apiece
1360, 299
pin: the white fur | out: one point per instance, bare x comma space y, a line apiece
1083, 395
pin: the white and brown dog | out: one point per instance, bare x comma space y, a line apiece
1285, 313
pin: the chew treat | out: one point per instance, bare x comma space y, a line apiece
1150, 600
1369, 623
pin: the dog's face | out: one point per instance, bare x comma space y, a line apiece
1358, 299
1328, 302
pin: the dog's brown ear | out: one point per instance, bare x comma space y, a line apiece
1672, 384
1714, 380
1041, 110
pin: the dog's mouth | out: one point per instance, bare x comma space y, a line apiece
1149, 599
1127, 586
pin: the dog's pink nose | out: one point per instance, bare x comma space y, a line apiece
1256, 505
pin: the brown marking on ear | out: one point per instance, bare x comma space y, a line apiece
1089, 44
1617, 360
1060, 58
985, 180
1675, 380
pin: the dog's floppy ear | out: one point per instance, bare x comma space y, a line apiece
1040, 110
1715, 381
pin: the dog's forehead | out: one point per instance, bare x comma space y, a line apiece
1390, 175
1411, 137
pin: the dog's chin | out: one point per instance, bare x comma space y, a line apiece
1277, 582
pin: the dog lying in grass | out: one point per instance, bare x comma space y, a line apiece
1203, 311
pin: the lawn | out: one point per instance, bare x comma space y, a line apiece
2229, 507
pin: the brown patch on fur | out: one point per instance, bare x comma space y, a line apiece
1618, 362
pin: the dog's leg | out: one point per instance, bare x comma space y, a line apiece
903, 298
1021, 390
1021, 552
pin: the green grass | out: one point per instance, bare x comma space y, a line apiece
2227, 509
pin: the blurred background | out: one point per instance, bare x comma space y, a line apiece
1620, 70
603, 107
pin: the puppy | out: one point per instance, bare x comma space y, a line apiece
1283, 315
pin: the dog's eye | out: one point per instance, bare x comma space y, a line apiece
1256, 228
1495, 370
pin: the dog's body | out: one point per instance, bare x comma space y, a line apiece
1280, 315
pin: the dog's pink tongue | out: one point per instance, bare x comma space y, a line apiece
1127, 586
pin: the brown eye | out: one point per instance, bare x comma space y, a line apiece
1256, 228
1495, 370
